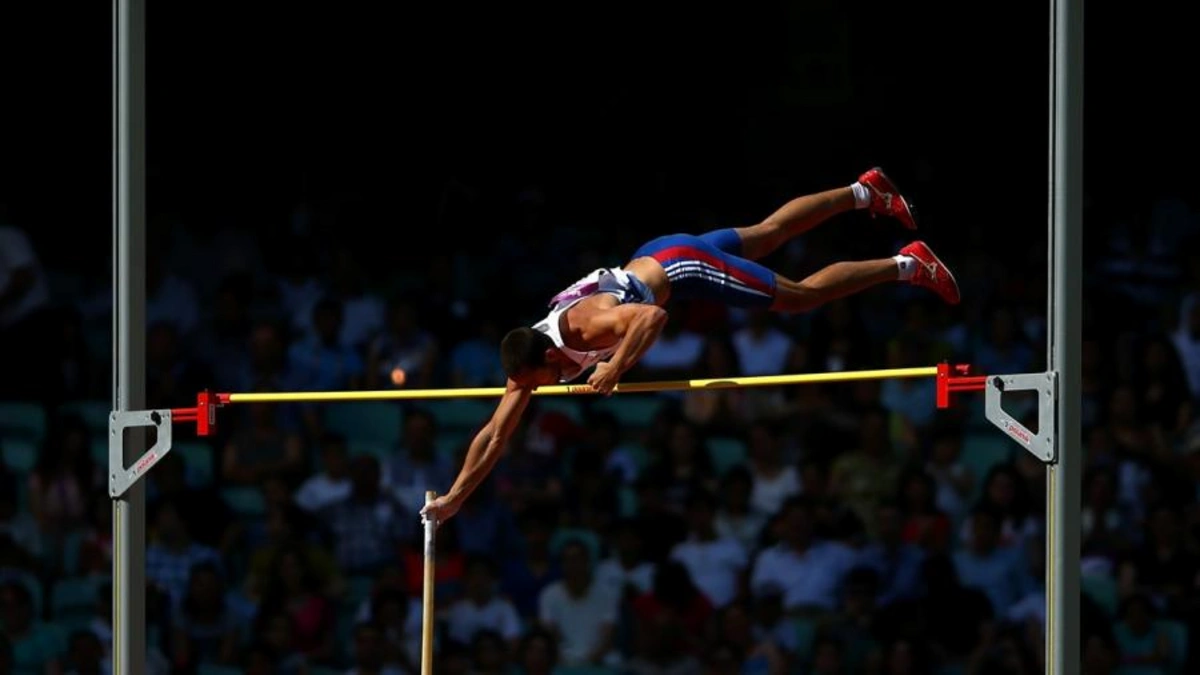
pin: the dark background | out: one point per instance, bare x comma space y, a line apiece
620, 109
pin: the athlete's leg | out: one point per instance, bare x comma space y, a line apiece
916, 264
793, 219
835, 281
873, 190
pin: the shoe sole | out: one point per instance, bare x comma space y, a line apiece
912, 214
957, 293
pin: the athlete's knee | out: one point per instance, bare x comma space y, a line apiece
796, 296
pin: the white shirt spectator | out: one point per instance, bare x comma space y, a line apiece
715, 566
320, 490
680, 350
612, 575
16, 252
762, 350
770, 492
580, 622
808, 579
744, 528
465, 619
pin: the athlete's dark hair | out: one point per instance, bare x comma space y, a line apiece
523, 348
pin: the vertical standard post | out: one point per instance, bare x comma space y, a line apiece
1063, 649
129, 299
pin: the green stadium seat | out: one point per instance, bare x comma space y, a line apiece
20, 454
74, 598
1177, 631
450, 444
213, 669
379, 451
460, 413
367, 421
590, 539
245, 501
22, 420
985, 449
95, 413
198, 460
726, 453
100, 451
1103, 591
632, 410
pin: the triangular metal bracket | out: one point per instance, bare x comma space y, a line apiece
121, 477
1043, 444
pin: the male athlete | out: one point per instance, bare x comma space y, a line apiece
609, 318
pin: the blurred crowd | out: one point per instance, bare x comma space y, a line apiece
824, 530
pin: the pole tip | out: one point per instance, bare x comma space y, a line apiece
430, 495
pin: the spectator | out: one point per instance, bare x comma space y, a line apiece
171, 552
332, 483
716, 564
988, 565
475, 361
736, 517
405, 347
579, 611
774, 480
295, 590
954, 480
36, 646
538, 653
676, 352
320, 360
809, 570
263, 447
716, 411
670, 620
369, 524
173, 376
416, 465
206, 629
756, 654
370, 655
897, 563
535, 567
866, 475
481, 608
625, 572
398, 618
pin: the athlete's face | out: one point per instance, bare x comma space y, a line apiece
544, 375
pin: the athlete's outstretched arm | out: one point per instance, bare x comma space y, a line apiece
485, 450
638, 327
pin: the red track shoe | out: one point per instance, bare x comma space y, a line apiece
886, 198
931, 272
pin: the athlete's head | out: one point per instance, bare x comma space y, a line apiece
529, 357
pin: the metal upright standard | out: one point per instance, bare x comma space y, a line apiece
129, 376
1063, 480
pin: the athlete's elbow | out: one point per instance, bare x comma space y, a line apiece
657, 317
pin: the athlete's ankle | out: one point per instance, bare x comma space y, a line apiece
905, 265
862, 195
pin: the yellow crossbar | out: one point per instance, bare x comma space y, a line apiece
557, 390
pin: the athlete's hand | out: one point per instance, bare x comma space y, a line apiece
441, 509
604, 378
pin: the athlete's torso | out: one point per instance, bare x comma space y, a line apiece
602, 286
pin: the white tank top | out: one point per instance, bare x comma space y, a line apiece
625, 287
